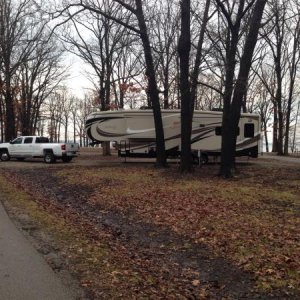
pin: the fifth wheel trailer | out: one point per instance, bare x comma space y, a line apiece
133, 131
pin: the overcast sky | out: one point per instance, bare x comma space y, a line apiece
77, 81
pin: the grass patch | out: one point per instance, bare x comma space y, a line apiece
94, 261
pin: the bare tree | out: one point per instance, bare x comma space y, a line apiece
188, 86
234, 92
19, 28
80, 109
54, 108
293, 29
38, 77
274, 36
138, 25
279, 70
127, 68
184, 48
66, 101
262, 105
164, 33
294, 141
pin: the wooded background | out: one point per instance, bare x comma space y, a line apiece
191, 54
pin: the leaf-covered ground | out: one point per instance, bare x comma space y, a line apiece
133, 231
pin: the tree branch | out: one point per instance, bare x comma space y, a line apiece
211, 87
97, 11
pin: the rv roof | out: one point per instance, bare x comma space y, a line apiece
143, 111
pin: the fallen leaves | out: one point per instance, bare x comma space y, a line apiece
224, 216
253, 223
196, 282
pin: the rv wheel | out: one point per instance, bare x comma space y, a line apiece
204, 158
195, 159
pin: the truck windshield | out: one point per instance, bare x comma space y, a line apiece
17, 141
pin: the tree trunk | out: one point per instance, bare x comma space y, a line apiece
228, 140
166, 89
10, 128
74, 129
275, 130
106, 148
1, 121
195, 74
121, 105
58, 132
152, 87
293, 73
295, 129
66, 130
280, 131
184, 47
266, 135
278, 99
288, 118
232, 114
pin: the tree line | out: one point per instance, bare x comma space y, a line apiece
30, 66
238, 56
33, 98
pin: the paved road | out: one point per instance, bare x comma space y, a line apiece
24, 275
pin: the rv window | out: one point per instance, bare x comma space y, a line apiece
28, 140
249, 130
218, 130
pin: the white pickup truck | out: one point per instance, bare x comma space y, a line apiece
37, 146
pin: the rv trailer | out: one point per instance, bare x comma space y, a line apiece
133, 132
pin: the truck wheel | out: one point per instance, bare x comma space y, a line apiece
49, 158
66, 159
4, 155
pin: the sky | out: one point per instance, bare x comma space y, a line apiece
77, 81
